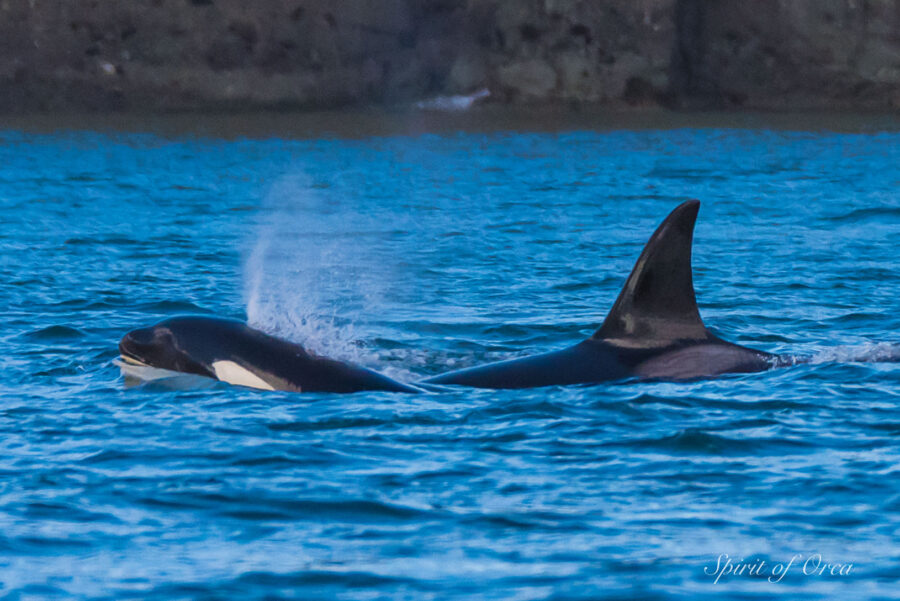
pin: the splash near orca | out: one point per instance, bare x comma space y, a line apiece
654, 331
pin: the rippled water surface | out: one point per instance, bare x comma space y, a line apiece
418, 253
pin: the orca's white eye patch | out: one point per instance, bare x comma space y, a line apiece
231, 372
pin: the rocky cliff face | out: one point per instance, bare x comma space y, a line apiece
209, 54
788, 53
559, 50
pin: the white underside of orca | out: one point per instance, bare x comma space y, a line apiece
131, 368
231, 372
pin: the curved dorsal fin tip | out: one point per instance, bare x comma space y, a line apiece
657, 303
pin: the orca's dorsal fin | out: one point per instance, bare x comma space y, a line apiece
657, 304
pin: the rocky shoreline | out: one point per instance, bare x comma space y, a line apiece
176, 55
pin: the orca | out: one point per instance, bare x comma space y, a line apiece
231, 351
653, 332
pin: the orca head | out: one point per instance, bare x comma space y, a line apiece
182, 344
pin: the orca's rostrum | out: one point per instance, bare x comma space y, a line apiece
654, 331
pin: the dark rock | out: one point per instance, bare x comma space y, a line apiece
788, 53
207, 54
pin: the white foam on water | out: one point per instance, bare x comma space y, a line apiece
868, 352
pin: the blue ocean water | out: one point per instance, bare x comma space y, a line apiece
414, 254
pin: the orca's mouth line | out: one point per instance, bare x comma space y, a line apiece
132, 360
